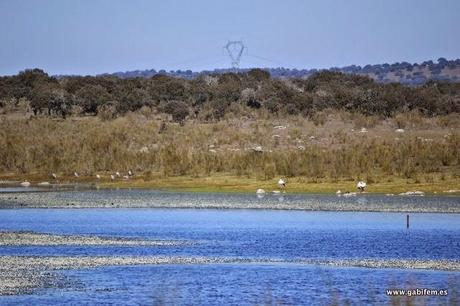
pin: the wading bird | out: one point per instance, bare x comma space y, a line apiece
76, 174
282, 183
98, 176
361, 186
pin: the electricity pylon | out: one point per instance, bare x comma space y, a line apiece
235, 50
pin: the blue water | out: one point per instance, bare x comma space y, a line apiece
267, 234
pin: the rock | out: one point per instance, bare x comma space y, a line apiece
144, 150
43, 184
212, 151
260, 191
363, 130
452, 191
276, 192
280, 127
349, 194
257, 149
399, 131
301, 148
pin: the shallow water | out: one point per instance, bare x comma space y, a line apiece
162, 199
265, 234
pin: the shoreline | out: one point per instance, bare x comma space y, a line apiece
43, 271
230, 184
154, 199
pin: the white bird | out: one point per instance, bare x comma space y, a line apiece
117, 174
25, 184
75, 174
282, 183
126, 177
53, 175
361, 186
260, 191
98, 176
112, 177
130, 173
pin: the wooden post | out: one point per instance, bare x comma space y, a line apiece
407, 221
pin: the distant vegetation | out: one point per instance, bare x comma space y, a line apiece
211, 97
404, 72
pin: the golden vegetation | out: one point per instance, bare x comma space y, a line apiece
343, 148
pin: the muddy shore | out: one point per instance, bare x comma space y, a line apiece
288, 201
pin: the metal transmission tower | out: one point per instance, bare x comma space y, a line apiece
235, 50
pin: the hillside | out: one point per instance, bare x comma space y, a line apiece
404, 73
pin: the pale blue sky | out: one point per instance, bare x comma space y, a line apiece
95, 36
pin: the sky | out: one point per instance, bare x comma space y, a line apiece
96, 36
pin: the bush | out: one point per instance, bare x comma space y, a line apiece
177, 109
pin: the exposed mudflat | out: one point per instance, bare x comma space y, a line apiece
39, 239
23, 274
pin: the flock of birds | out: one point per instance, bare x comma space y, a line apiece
98, 176
361, 186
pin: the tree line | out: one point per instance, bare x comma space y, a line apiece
211, 97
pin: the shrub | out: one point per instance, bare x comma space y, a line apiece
178, 110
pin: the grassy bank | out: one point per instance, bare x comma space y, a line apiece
232, 183
223, 183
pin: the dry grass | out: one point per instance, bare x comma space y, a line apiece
326, 156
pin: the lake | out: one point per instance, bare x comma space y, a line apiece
281, 238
